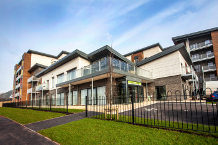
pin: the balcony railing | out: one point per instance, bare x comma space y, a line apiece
203, 57
103, 65
32, 78
211, 79
18, 77
17, 94
201, 45
42, 87
209, 68
18, 69
31, 90
186, 70
17, 86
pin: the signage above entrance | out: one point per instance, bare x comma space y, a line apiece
134, 83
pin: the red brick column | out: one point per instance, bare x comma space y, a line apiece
214, 36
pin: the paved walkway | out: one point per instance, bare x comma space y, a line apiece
12, 133
37, 126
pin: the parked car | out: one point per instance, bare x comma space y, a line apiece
214, 96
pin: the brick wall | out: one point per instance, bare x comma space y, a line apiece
140, 56
214, 36
172, 83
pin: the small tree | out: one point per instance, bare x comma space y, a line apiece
110, 90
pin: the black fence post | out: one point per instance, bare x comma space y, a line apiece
86, 106
50, 104
26, 104
67, 102
32, 103
133, 122
39, 103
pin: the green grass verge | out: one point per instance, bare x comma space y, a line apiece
211, 103
25, 116
202, 129
95, 131
59, 109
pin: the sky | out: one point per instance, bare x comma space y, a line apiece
51, 26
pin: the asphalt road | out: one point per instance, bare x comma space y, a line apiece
178, 112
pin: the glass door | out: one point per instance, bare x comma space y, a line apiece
83, 96
101, 95
75, 98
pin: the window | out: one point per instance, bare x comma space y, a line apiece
60, 99
200, 79
198, 68
212, 75
75, 98
60, 78
53, 99
210, 64
208, 53
136, 59
71, 74
53, 83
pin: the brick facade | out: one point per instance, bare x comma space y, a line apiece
173, 84
214, 36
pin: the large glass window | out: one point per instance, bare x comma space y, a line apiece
60, 99
83, 96
53, 99
75, 98
101, 95
60, 78
70, 100
71, 74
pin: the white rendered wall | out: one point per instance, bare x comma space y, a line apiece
35, 58
169, 65
151, 51
62, 55
129, 57
75, 63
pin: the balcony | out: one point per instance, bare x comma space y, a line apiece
203, 57
17, 86
102, 65
18, 69
211, 79
42, 87
32, 79
201, 45
209, 68
31, 90
18, 77
186, 73
17, 94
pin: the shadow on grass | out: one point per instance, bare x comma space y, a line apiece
198, 129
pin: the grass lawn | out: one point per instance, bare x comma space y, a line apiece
211, 103
25, 116
94, 131
166, 124
60, 110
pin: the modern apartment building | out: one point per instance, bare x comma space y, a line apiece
171, 68
150, 71
139, 74
203, 49
32, 62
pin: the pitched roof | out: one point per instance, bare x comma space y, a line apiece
35, 66
91, 57
181, 47
64, 60
48, 55
145, 48
194, 34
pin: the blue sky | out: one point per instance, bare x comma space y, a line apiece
53, 25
